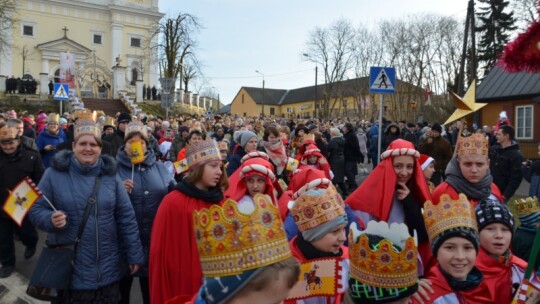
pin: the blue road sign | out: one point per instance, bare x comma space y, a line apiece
61, 91
382, 80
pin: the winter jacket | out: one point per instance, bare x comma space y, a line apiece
116, 140
177, 145
29, 143
236, 160
68, 185
440, 149
151, 182
24, 162
336, 158
352, 149
389, 137
44, 139
532, 175
505, 167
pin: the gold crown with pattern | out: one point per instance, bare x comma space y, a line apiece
202, 152
448, 214
310, 211
136, 126
231, 242
390, 263
526, 206
109, 121
474, 144
86, 124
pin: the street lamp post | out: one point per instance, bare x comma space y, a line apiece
257, 71
317, 109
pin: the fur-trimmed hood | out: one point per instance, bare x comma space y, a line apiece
65, 158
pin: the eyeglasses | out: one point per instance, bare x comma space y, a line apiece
223, 151
8, 142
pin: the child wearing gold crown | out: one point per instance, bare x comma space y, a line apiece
321, 219
453, 234
384, 264
502, 270
174, 261
245, 257
528, 211
468, 172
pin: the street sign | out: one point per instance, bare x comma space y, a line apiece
61, 91
382, 80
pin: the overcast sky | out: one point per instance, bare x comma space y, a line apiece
241, 36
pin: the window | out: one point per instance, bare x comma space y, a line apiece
97, 39
135, 42
28, 30
272, 111
524, 122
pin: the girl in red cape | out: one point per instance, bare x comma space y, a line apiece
174, 261
395, 192
502, 270
312, 157
256, 176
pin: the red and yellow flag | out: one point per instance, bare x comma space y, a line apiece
20, 199
137, 155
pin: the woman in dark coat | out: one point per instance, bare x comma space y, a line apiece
336, 158
147, 184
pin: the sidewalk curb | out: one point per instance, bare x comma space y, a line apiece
15, 290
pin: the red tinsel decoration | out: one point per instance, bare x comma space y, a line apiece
523, 54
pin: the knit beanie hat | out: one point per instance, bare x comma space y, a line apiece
245, 136
436, 127
123, 117
489, 212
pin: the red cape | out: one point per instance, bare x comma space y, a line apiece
498, 276
174, 261
479, 295
445, 187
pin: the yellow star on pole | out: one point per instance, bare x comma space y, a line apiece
465, 105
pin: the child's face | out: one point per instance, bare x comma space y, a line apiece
404, 167
313, 159
332, 241
255, 184
495, 238
301, 133
457, 256
428, 171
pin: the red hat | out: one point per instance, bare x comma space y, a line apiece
425, 160
255, 166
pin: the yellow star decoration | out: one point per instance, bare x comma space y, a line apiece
465, 105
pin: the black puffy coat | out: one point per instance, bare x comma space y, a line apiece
336, 158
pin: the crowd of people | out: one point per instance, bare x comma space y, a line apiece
270, 210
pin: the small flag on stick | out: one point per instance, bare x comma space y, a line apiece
19, 201
137, 155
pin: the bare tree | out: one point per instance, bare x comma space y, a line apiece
525, 12
333, 48
177, 43
7, 22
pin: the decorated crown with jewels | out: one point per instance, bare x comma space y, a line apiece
231, 242
310, 211
448, 214
136, 126
86, 124
526, 206
474, 144
391, 262
202, 152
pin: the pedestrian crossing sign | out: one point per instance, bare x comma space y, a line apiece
61, 91
382, 80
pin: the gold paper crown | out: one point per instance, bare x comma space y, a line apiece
310, 211
526, 206
474, 144
86, 124
231, 242
202, 152
8, 133
53, 117
448, 214
136, 126
109, 121
383, 265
